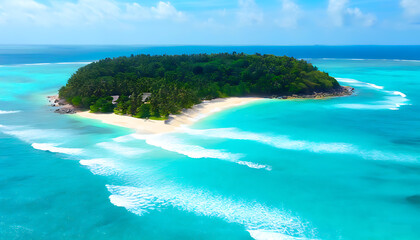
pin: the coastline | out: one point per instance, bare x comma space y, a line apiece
175, 122
186, 117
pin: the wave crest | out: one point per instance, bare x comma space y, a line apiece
100, 166
30, 135
254, 216
284, 142
8, 112
174, 144
393, 99
50, 147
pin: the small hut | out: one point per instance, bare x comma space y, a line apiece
146, 96
115, 99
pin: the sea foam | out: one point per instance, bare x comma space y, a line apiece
405, 60
8, 112
360, 83
50, 147
30, 135
271, 235
392, 101
375, 86
284, 142
174, 144
399, 93
253, 215
26, 134
101, 166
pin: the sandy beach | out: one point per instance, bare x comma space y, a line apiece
187, 117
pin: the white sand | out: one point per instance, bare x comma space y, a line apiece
186, 118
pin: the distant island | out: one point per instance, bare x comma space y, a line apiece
153, 87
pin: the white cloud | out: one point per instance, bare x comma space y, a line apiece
83, 12
340, 14
166, 10
163, 10
22, 10
366, 20
289, 15
336, 10
249, 13
411, 8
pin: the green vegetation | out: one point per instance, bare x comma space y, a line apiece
181, 81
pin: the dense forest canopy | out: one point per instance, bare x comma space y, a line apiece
180, 81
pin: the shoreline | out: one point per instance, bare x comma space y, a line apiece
175, 122
187, 116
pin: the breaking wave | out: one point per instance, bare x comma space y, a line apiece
271, 235
405, 60
174, 144
8, 112
193, 151
254, 165
393, 99
284, 142
254, 216
100, 166
30, 135
50, 147
375, 86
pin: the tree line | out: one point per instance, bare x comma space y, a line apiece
181, 81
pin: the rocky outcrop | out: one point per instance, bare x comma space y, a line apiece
62, 106
65, 110
343, 91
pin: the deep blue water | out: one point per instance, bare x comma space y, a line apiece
10, 54
340, 168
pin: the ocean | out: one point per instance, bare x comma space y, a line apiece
338, 168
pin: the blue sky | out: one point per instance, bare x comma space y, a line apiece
210, 22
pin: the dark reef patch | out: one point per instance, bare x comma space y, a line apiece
414, 199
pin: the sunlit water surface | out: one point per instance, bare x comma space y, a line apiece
339, 168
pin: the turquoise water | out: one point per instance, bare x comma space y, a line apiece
340, 168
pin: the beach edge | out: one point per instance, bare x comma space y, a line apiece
175, 122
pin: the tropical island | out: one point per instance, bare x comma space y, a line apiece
153, 87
